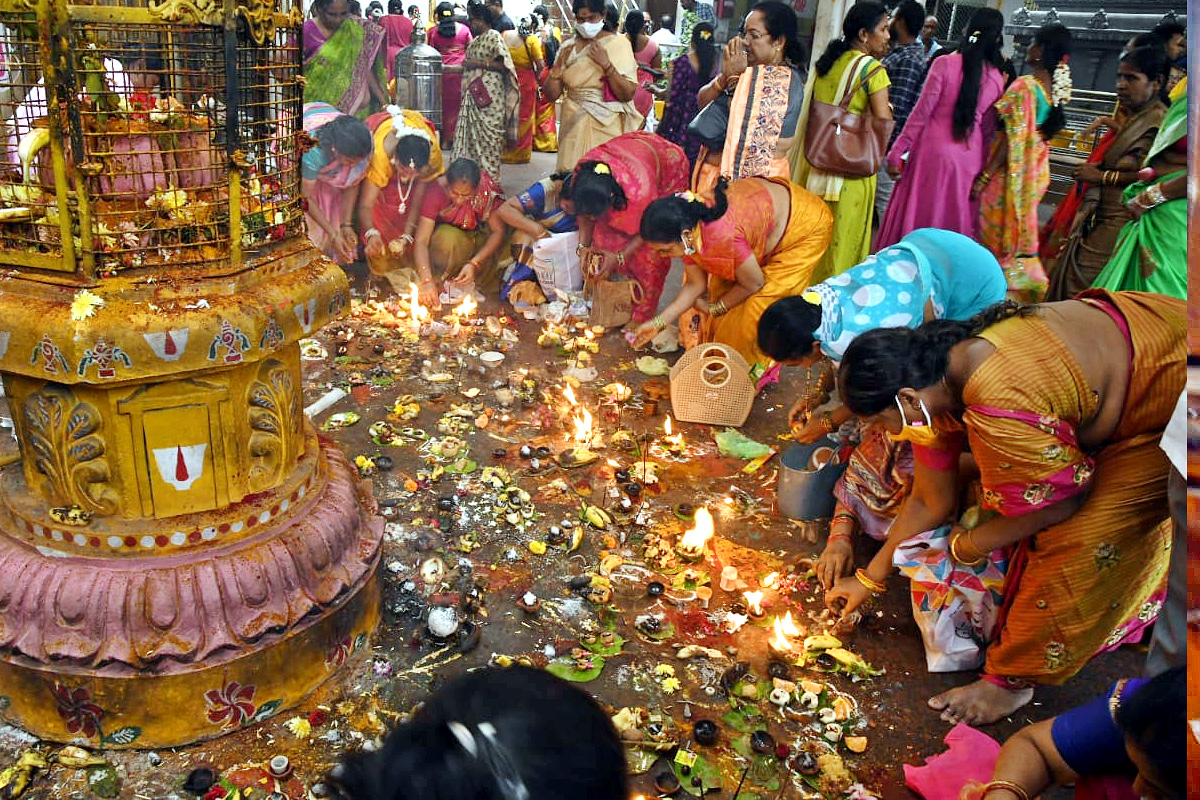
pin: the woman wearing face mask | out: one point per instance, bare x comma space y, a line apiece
330, 174
754, 245
1064, 405
456, 230
404, 161
450, 38
851, 61
610, 190
1017, 172
492, 93
1079, 240
595, 74
343, 60
762, 66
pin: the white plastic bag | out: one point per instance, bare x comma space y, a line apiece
557, 265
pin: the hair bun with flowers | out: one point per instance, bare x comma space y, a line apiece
601, 169
1060, 83
705, 35
689, 197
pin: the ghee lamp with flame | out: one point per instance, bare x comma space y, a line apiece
782, 644
673, 442
419, 312
693, 542
753, 603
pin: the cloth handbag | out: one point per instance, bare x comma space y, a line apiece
479, 93
840, 142
613, 301
712, 122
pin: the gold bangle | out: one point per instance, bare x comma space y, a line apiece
872, 585
954, 552
1015, 788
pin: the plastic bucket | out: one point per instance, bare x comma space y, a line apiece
807, 475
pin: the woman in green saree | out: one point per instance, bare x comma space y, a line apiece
1151, 255
343, 60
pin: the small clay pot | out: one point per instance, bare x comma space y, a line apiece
526, 451
705, 732
806, 763
762, 742
280, 767
655, 588
777, 669
499, 454
445, 503
543, 451
825, 661
621, 476
633, 489
666, 782
200, 780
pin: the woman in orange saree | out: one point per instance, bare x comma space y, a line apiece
526, 51
1063, 405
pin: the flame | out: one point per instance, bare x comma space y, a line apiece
466, 308
419, 311
612, 462
753, 602
769, 580
788, 625
695, 540
569, 393
667, 425
780, 640
583, 426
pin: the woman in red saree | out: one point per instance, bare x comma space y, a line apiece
614, 183
1063, 405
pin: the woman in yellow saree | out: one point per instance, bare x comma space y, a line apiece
529, 60
545, 125
595, 74
758, 243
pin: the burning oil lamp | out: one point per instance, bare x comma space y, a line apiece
781, 644
691, 545
418, 311
673, 442
753, 603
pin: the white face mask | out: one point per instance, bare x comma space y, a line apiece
589, 30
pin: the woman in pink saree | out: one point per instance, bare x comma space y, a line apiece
450, 38
614, 183
330, 174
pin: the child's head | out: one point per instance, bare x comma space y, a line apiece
494, 734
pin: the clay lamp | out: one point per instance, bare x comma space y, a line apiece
806, 763
556, 536
655, 588
777, 669
280, 768
526, 451
705, 732
529, 603
383, 463
666, 782
633, 489
499, 454
621, 476
445, 503
762, 743
753, 603
685, 511
543, 451
693, 542
200, 780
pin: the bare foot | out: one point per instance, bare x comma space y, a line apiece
979, 703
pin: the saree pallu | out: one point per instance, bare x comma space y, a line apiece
588, 120
1151, 254
1081, 237
756, 112
545, 125
332, 181
1095, 580
787, 270
1009, 203
482, 131
337, 71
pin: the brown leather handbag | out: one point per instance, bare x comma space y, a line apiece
840, 142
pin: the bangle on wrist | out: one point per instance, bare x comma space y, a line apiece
406, 238
872, 585
348, 225
843, 516
717, 309
369, 232
1015, 788
827, 421
956, 552
659, 323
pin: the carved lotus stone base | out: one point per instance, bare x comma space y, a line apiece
176, 634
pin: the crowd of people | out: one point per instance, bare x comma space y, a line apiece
986, 363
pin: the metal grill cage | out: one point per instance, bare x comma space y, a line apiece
148, 137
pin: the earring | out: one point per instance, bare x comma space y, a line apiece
689, 247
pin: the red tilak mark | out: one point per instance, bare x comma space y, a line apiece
169, 346
181, 472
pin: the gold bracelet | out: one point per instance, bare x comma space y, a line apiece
872, 585
717, 309
954, 553
1015, 788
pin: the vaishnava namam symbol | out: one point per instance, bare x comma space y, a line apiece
180, 466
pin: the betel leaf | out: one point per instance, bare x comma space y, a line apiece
703, 769
599, 648
565, 668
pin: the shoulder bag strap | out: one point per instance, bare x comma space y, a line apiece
847, 85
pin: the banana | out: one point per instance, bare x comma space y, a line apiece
821, 641
71, 756
595, 516
29, 146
